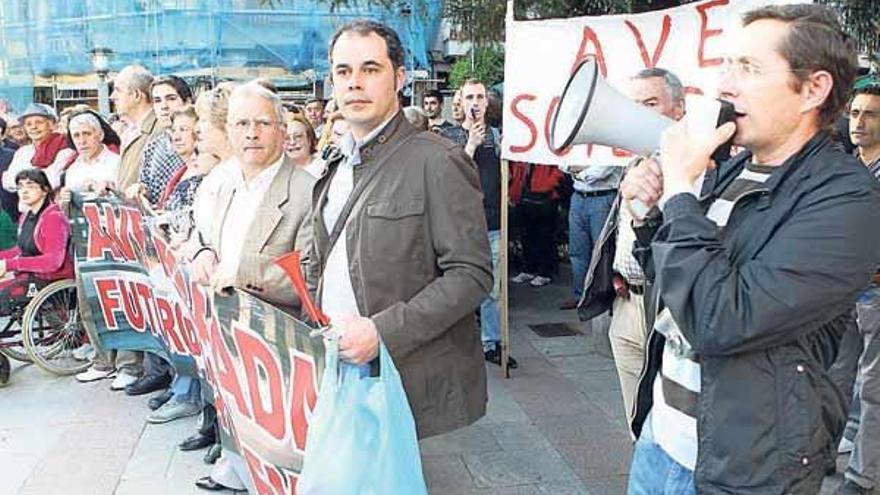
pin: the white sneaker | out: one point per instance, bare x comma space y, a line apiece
522, 278
539, 281
122, 380
85, 352
92, 374
845, 447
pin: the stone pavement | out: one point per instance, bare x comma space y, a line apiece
555, 428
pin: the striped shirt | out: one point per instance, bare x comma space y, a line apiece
873, 167
677, 385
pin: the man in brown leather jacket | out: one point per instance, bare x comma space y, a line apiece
401, 252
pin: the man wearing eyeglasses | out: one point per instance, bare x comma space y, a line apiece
758, 278
259, 216
248, 233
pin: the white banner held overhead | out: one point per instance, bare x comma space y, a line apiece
540, 56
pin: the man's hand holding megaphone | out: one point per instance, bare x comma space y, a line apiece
685, 156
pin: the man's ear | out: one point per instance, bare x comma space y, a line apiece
400, 78
815, 90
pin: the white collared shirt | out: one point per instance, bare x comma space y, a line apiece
246, 199
337, 293
205, 202
103, 168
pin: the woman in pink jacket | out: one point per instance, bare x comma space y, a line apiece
43, 233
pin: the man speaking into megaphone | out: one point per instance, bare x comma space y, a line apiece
757, 278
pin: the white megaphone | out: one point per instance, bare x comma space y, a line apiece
592, 112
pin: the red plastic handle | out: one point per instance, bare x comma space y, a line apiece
290, 263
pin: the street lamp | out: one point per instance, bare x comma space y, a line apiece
101, 64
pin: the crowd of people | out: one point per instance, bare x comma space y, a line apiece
744, 313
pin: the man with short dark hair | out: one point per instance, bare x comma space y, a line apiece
160, 161
432, 104
758, 278
863, 430
314, 111
169, 93
401, 250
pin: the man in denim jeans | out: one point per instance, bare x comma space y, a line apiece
483, 144
863, 470
595, 188
755, 280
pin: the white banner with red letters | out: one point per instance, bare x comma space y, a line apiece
540, 56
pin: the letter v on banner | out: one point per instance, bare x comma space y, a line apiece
650, 63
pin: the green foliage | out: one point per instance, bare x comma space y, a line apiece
488, 67
861, 18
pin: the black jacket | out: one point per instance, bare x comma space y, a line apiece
764, 303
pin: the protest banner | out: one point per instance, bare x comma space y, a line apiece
262, 364
688, 40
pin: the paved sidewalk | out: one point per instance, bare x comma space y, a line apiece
555, 428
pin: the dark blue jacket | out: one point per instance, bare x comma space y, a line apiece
764, 302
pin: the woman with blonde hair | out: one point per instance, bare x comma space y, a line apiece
212, 108
334, 128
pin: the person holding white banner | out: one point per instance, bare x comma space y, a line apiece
758, 278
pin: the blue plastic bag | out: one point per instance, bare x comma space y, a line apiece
362, 438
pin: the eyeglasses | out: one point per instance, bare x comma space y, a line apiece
31, 186
260, 124
746, 69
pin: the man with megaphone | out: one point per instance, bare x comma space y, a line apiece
757, 278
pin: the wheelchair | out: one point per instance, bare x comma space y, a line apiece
42, 325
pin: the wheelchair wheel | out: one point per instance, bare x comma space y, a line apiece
52, 329
12, 340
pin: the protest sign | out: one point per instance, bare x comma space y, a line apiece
262, 364
689, 40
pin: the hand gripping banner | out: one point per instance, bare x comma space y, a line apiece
261, 363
